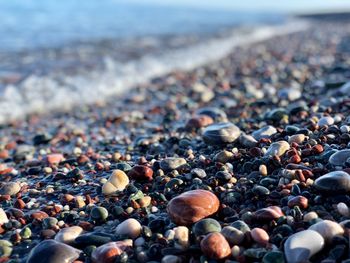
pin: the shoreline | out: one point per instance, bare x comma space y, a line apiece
276, 172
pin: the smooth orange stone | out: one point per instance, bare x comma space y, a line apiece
54, 158
39, 215
141, 172
107, 253
215, 246
192, 206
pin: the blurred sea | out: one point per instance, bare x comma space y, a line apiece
59, 54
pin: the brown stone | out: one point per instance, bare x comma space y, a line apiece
299, 200
108, 253
199, 122
260, 236
269, 213
215, 246
192, 206
54, 158
141, 172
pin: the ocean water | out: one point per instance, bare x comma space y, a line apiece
59, 54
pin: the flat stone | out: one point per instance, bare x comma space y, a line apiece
327, 229
339, 158
215, 246
109, 252
297, 138
50, 251
220, 133
336, 181
172, 163
269, 213
192, 206
69, 234
264, 132
116, 182
247, 140
130, 228
3, 217
302, 245
11, 188
277, 148
223, 156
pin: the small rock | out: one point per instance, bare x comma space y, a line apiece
141, 172
6, 248
223, 156
327, 229
232, 235
277, 148
206, 226
50, 251
325, 121
220, 133
10, 188
216, 114
260, 236
299, 200
215, 246
247, 140
109, 252
181, 237
336, 181
192, 206
290, 94
54, 158
269, 213
172, 163
99, 213
264, 132
130, 228
298, 247
116, 182
68, 235
199, 122
3, 217
339, 158
297, 138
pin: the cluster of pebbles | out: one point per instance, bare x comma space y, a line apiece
243, 160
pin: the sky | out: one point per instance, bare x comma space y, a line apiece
258, 5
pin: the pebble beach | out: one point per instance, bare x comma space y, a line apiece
243, 160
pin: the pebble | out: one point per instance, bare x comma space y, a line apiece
277, 148
343, 209
50, 251
264, 132
325, 121
260, 236
99, 213
141, 172
192, 206
233, 235
118, 181
299, 248
290, 94
299, 201
108, 253
220, 133
199, 121
130, 228
269, 213
171, 259
3, 217
54, 158
215, 246
172, 163
297, 138
68, 235
327, 229
206, 226
223, 156
11, 188
339, 158
216, 114
336, 181
181, 237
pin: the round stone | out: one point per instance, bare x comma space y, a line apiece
3, 217
327, 229
50, 251
260, 236
54, 158
130, 228
99, 213
206, 226
232, 235
181, 237
325, 121
264, 132
339, 158
215, 113
108, 253
241, 225
6, 248
223, 156
141, 172
215, 246
220, 133
299, 248
116, 182
337, 181
192, 206
297, 138
247, 140
69, 234
199, 122
269, 213
277, 148
172, 163
11, 188
299, 200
